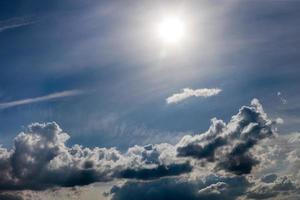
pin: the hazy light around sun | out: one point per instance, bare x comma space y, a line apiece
171, 30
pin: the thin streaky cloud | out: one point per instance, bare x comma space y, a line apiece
48, 97
187, 93
16, 22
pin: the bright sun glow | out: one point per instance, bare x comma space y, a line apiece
171, 30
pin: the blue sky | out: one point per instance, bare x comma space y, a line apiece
94, 101
107, 50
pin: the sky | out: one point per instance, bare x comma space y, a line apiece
200, 96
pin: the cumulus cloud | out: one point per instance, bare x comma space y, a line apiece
228, 152
40, 159
187, 93
229, 145
48, 97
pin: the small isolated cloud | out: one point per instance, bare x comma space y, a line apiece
283, 100
56, 95
15, 23
187, 93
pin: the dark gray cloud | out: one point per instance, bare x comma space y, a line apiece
159, 171
272, 189
7, 196
211, 187
158, 189
269, 178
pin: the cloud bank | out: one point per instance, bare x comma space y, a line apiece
48, 97
187, 93
240, 159
40, 159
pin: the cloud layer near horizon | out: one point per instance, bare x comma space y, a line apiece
187, 93
216, 164
40, 159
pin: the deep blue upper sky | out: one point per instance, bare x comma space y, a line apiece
106, 49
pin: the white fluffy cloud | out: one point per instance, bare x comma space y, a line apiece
187, 93
40, 159
229, 145
233, 153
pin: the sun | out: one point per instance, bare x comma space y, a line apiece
171, 30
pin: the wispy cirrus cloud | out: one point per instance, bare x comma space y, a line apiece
187, 93
48, 97
16, 22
